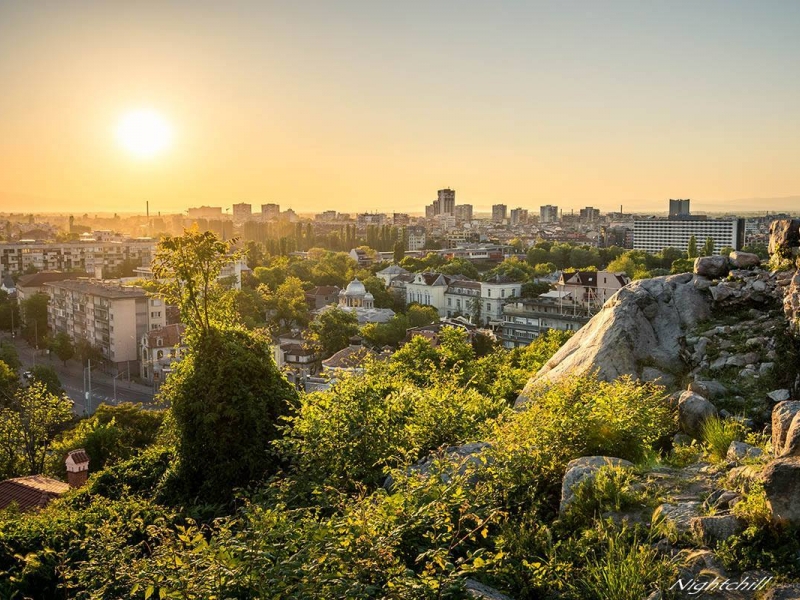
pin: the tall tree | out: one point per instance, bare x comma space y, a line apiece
332, 329
61, 344
708, 247
691, 252
34, 310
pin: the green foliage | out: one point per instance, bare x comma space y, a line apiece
111, 434
708, 246
9, 382
27, 429
287, 304
9, 355
718, 434
332, 329
188, 267
611, 489
754, 508
47, 376
34, 312
362, 427
227, 396
771, 548
692, 250
682, 265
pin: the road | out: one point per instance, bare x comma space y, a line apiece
72, 380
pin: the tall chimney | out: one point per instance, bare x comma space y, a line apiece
77, 468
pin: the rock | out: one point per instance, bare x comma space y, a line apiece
655, 595
759, 286
675, 517
736, 361
693, 411
743, 476
643, 324
584, 469
781, 481
784, 591
784, 234
782, 416
744, 260
791, 446
779, 395
712, 390
476, 589
657, 376
721, 292
681, 439
711, 530
765, 368
712, 267
720, 500
739, 450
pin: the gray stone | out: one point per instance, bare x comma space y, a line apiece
784, 234
765, 368
739, 451
736, 360
744, 260
719, 363
743, 476
476, 589
676, 516
782, 416
657, 376
721, 292
715, 529
681, 439
783, 591
781, 481
779, 395
712, 267
693, 411
759, 286
710, 389
720, 500
643, 324
791, 446
583, 469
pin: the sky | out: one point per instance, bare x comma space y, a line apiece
373, 106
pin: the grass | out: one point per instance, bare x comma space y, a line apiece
719, 433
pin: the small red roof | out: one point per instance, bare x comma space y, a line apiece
29, 492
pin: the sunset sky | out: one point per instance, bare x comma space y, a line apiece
375, 105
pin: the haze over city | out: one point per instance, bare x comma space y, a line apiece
373, 106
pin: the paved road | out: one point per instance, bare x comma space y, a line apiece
72, 380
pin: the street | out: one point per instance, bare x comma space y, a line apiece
72, 380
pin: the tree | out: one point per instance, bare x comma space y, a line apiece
399, 251
419, 315
28, 427
9, 382
9, 355
726, 251
9, 311
62, 346
34, 311
86, 352
332, 329
47, 376
227, 397
691, 252
534, 289
190, 265
287, 305
708, 247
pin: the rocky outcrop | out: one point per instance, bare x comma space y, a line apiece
584, 469
739, 451
781, 481
744, 260
693, 412
712, 267
640, 326
784, 236
717, 528
676, 518
783, 416
476, 589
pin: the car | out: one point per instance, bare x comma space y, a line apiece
27, 376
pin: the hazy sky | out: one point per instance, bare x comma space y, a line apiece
375, 105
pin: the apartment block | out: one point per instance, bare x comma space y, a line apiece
111, 317
653, 235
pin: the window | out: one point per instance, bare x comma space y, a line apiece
489, 293
503, 293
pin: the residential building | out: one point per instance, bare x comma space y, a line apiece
590, 214
400, 219
242, 212
463, 297
364, 219
433, 332
415, 238
28, 285
270, 212
111, 317
36, 491
679, 208
548, 214
519, 216
205, 212
591, 288
527, 318
653, 235
321, 296
463, 213
390, 272
159, 349
361, 257
499, 213
495, 292
447, 201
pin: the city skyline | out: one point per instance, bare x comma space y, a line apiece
370, 107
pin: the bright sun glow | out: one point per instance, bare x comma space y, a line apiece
144, 133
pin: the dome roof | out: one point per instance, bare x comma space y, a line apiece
368, 296
355, 288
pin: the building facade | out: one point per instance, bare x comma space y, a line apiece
526, 319
159, 350
548, 214
653, 235
499, 213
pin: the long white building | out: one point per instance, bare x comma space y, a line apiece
653, 235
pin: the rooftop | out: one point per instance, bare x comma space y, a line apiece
30, 492
97, 287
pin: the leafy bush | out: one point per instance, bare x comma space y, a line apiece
610, 489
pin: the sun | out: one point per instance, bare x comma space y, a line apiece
144, 133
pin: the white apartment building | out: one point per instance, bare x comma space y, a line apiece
95, 258
111, 317
494, 295
653, 235
415, 238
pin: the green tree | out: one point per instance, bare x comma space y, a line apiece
708, 247
61, 345
399, 251
287, 305
332, 329
9, 355
227, 397
9, 382
9, 311
691, 252
28, 427
726, 251
34, 311
419, 315
189, 267
47, 376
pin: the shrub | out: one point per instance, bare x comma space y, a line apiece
610, 489
718, 434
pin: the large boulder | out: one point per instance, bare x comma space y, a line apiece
716, 528
675, 518
739, 451
476, 589
712, 267
642, 325
783, 416
583, 469
781, 481
744, 260
783, 591
784, 234
693, 412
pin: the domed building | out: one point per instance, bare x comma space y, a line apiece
355, 298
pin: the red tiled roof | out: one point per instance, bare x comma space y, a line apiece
170, 336
30, 492
39, 279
